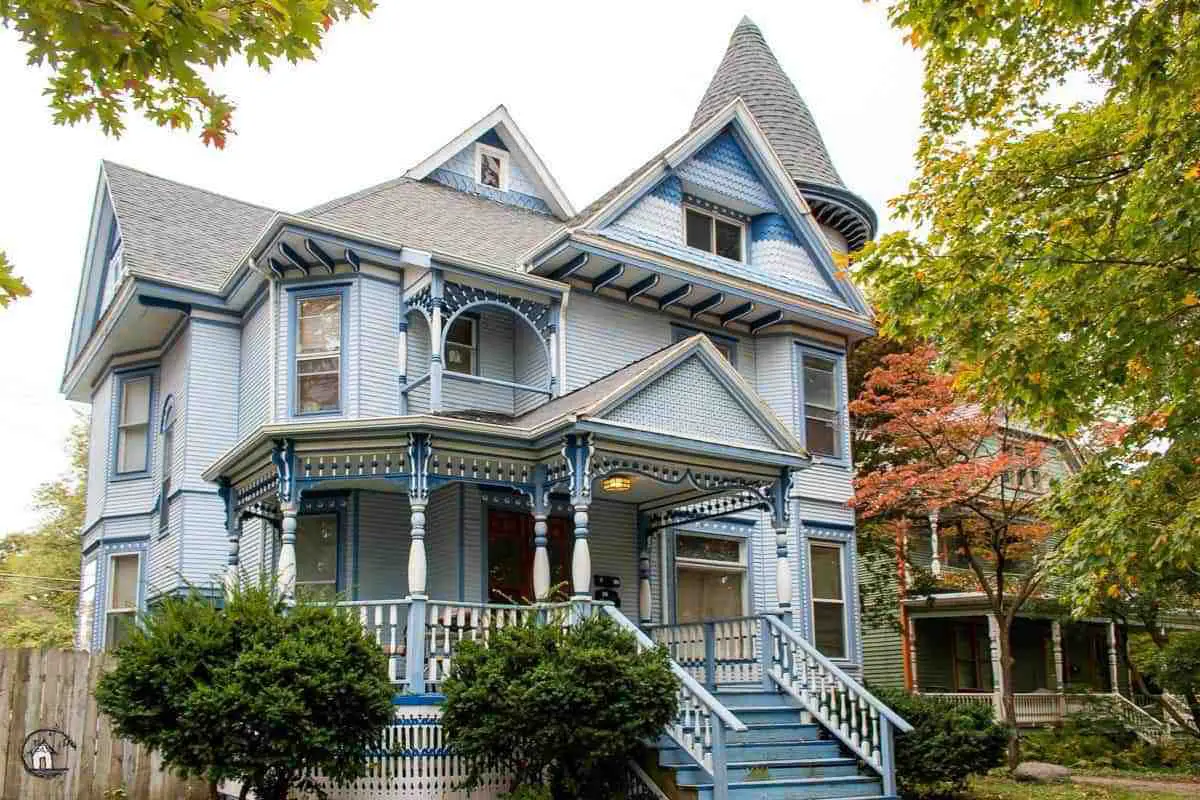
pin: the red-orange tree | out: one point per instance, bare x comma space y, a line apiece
938, 452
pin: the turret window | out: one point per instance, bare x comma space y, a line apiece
714, 233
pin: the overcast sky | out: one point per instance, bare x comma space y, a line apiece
596, 87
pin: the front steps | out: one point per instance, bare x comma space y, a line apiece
778, 756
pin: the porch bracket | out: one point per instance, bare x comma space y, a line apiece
419, 451
578, 452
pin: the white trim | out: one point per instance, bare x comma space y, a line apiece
109, 585
502, 156
519, 147
838, 547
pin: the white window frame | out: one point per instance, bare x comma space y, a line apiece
124, 426
839, 414
840, 549
709, 565
712, 236
87, 604
110, 585
473, 346
298, 357
482, 149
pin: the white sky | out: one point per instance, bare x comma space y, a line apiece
597, 88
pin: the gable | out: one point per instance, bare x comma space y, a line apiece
722, 178
458, 172
690, 401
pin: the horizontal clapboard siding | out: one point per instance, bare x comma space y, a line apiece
383, 541
254, 387
379, 324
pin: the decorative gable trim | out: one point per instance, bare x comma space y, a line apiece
518, 147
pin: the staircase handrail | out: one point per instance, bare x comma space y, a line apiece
1142, 722
700, 719
852, 685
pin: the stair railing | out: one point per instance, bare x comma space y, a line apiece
840, 703
1145, 725
700, 719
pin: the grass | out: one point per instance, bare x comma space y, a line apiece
998, 788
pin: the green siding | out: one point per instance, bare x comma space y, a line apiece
883, 654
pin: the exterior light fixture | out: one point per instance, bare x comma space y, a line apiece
617, 483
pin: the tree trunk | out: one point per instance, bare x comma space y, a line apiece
1008, 700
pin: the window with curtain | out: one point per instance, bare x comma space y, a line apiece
318, 354
710, 578
122, 598
316, 556
822, 421
828, 599
133, 425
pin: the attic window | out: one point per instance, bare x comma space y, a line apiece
713, 233
491, 166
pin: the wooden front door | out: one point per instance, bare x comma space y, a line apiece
510, 556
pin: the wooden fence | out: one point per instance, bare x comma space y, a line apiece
55, 689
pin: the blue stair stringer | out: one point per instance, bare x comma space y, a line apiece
781, 754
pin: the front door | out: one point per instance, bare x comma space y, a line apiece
510, 557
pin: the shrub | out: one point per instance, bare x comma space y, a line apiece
566, 708
948, 743
252, 692
1084, 738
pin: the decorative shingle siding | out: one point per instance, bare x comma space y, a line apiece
689, 400
459, 173
776, 251
722, 167
383, 541
379, 389
254, 384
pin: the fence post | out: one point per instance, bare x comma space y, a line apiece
766, 651
720, 764
710, 655
414, 658
887, 760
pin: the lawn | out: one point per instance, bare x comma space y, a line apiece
996, 788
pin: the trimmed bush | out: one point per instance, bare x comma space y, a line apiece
252, 692
948, 744
560, 708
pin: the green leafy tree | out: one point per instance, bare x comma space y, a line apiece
11, 286
254, 692
39, 569
150, 55
1052, 242
563, 707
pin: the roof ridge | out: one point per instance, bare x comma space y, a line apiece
107, 162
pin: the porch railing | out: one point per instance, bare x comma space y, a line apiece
716, 652
1048, 708
385, 621
701, 721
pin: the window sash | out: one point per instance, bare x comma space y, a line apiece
822, 416
321, 359
465, 350
824, 603
500, 157
123, 583
133, 424
693, 232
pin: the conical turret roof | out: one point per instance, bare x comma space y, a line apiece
750, 71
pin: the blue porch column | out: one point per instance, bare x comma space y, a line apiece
233, 532
781, 520
579, 452
283, 456
418, 498
644, 599
436, 339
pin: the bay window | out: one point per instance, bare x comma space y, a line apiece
828, 599
122, 598
133, 425
318, 352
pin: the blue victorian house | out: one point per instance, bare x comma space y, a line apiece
445, 397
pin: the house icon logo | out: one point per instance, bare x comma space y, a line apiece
45, 752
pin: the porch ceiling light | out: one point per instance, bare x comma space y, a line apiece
617, 483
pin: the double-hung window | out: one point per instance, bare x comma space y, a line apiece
822, 418
828, 599
710, 578
318, 354
462, 345
491, 167
713, 233
122, 598
316, 556
133, 425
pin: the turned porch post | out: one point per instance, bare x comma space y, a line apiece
436, 340
780, 519
419, 451
541, 511
283, 456
997, 672
644, 602
911, 625
1113, 674
935, 563
1056, 643
578, 452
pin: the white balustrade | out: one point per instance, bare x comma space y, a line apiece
717, 652
448, 623
385, 621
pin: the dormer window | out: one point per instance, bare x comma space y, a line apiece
491, 167
714, 233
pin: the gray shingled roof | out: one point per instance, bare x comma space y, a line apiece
430, 216
750, 71
178, 233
